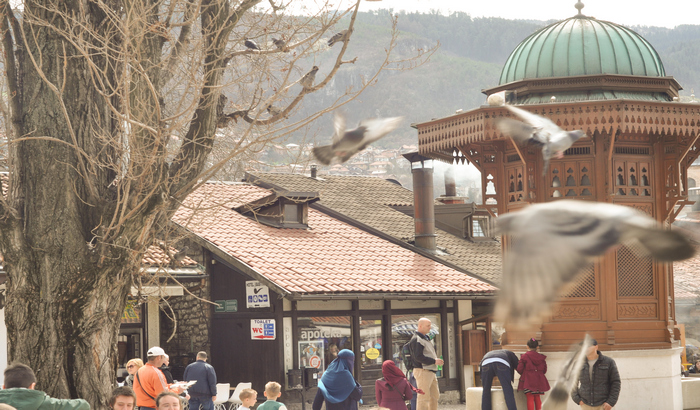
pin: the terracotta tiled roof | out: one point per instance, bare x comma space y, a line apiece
364, 199
155, 256
329, 257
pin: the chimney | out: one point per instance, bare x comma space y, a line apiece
450, 196
314, 171
450, 184
423, 202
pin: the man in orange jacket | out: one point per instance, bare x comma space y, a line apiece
149, 381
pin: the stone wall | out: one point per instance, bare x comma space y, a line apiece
185, 320
188, 332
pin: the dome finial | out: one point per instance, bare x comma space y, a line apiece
579, 6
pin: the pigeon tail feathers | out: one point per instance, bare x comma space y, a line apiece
324, 154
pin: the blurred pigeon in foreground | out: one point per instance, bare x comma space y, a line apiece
551, 242
251, 44
568, 377
347, 143
540, 131
338, 37
307, 81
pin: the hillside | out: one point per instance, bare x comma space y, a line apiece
472, 51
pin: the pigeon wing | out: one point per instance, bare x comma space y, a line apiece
377, 128
338, 127
518, 130
547, 251
535, 120
568, 376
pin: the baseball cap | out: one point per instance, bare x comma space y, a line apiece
155, 351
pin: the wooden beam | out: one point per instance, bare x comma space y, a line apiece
674, 213
465, 151
687, 149
517, 149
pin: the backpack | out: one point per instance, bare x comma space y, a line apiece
406, 357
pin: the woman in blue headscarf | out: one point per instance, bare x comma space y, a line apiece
337, 387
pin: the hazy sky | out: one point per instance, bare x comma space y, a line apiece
667, 13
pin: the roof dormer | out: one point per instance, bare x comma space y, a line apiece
281, 209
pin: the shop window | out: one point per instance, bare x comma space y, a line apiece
371, 347
321, 338
403, 327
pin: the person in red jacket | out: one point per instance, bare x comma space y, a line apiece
532, 368
393, 389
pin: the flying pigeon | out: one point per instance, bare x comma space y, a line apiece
307, 81
551, 242
251, 44
568, 377
538, 130
279, 43
347, 143
338, 37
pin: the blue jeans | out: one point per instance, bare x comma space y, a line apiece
415, 395
500, 370
205, 401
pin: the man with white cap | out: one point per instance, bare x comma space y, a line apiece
149, 381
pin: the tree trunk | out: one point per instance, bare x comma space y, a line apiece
68, 277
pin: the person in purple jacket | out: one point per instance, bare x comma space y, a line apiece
393, 389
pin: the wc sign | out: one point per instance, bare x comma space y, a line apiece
262, 329
257, 294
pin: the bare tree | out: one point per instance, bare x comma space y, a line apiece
112, 113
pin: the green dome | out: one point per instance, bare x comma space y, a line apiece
582, 45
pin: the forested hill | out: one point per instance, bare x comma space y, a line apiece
471, 54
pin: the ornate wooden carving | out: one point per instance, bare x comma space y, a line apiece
576, 312
636, 311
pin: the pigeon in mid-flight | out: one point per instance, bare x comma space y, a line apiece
251, 44
307, 81
338, 37
560, 395
551, 242
540, 131
347, 143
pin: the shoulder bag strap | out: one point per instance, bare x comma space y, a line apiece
141, 386
392, 389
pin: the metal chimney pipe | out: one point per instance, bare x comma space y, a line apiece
450, 184
314, 171
424, 208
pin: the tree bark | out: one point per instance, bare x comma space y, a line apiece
91, 179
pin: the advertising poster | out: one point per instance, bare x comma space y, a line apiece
311, 354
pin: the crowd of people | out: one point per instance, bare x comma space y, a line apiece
148, 387
598, 385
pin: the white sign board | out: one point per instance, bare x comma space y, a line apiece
257, 294
262, 329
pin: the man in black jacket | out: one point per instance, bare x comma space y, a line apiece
599, 382
204, 391
501, 364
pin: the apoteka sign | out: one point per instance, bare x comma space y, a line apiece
257, 294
